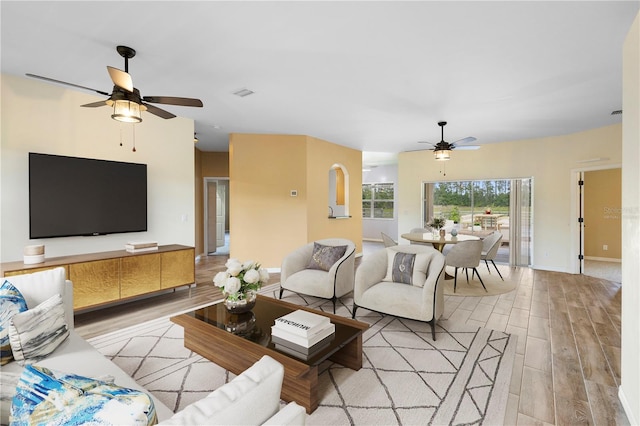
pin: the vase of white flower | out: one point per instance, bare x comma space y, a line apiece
240, 284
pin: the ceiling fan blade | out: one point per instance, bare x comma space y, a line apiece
95, 104
172, 100
120, 78
465, 140
159, 112
466, 147
53, 80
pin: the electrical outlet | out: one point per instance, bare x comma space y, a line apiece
605, 247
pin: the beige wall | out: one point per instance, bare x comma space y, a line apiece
602, 214
41, 117
630, 388
266, 221
551, 162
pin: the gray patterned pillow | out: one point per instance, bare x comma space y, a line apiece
36, 333
402, 269
324, 257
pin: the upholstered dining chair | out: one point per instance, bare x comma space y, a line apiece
465, 254
403, 281
388, 241
490, 246
421, 231
323, 268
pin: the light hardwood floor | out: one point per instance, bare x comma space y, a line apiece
567, 367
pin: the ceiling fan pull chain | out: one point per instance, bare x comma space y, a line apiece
120, 134
134, 138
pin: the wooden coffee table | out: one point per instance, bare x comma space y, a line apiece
236, 342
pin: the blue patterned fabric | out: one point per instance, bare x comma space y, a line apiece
11, 302
44, 397
36, 333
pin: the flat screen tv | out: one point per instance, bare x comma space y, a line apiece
70, 196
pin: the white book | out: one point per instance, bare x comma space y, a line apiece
303, 323
303, 341
138, 250
140, 244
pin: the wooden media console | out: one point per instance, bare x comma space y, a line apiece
107, 277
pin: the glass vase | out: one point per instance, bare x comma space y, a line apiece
242, 304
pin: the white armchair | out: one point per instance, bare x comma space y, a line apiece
394, 282
319, 269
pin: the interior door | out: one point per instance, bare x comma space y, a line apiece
220, 213
212, 211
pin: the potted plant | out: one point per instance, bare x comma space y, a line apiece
437, 223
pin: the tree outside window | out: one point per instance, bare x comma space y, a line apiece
377, 200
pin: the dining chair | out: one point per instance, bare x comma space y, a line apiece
465, 254
421, 231
388, 241
490, 246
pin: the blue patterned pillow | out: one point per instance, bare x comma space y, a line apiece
36, 333
45, 397
11, 303
324, 257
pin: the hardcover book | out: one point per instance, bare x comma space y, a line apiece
302, 323
301, 340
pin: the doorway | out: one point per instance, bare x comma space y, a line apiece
600, 223
216, 216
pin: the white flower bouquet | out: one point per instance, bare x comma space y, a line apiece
240, 278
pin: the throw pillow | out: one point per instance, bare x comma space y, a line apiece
11, 303
324, 257
35, 333
45, 396
407, 268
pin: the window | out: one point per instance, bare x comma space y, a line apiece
377, 200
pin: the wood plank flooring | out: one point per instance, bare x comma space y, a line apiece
567, 367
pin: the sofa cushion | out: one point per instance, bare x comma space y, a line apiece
323, 257
251, 398
37, 332
47, 397
11, 303
406, 268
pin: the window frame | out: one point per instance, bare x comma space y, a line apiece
372, 201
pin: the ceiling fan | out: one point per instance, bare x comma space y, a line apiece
125, 99
443, 149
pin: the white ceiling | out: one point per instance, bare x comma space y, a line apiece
374, 76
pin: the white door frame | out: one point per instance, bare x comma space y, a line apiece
205, 203
574, 228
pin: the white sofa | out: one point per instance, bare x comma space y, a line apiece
258, 388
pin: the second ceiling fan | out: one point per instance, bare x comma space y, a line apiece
443, 149
125, 99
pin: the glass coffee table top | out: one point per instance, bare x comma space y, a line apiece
255, 326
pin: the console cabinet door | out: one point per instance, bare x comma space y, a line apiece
178, 268
95, 282
139, 275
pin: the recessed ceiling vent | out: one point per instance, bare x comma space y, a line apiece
243, 92
616, 112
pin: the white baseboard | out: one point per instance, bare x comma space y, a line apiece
625, 406
546, 268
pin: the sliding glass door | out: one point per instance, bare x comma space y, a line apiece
484, 206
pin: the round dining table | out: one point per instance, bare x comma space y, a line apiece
438, 242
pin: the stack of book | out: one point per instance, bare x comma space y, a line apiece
138, 246
302, 333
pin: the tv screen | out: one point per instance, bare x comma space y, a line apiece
71, 196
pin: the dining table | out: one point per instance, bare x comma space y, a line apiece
437, 242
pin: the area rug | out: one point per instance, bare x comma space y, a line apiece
407, 378
492, 281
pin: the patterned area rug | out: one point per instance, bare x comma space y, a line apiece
407, 378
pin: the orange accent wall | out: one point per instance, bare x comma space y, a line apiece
267, 222
603, 213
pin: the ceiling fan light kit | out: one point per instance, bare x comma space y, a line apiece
442, 150
442, 154
126, 101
